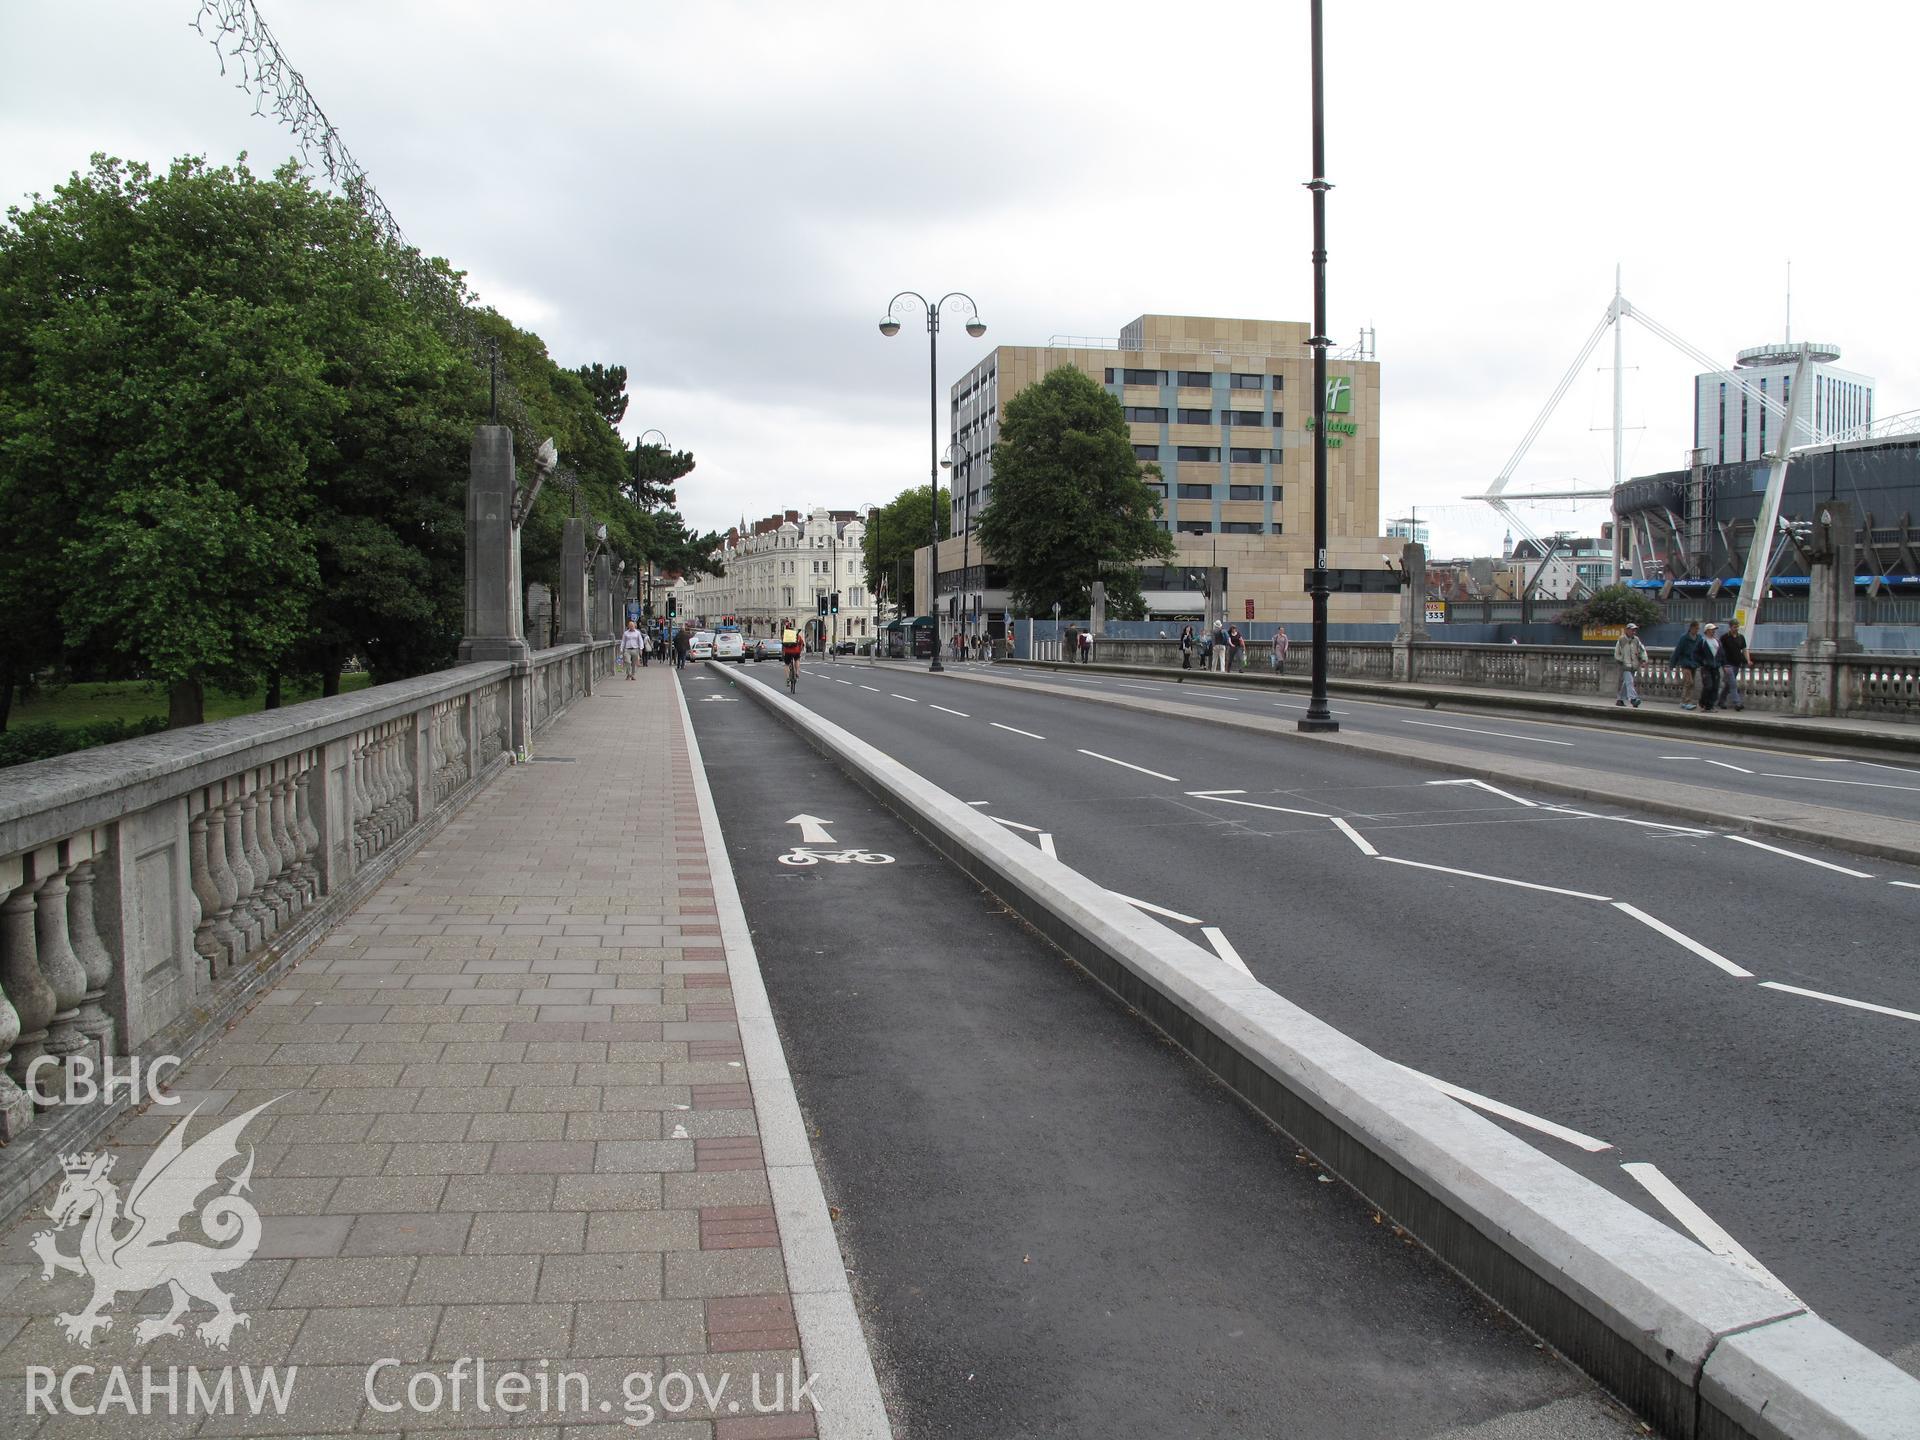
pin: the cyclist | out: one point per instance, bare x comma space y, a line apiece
790, 648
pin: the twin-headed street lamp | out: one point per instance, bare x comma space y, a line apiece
890, 326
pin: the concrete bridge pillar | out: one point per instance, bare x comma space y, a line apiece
1413, 609
603, 624
573, 583
494, 630
1819, 680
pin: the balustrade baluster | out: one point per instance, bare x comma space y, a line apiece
284, 807
362, 805
95, 1023
16, 1110
61, 966
308, 831
260, 840
258, 902
246, 917
273, 839
33, 998
206, 942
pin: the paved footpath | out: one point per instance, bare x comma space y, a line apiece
525, 1108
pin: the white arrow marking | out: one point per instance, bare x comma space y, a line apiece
716, 699
813, 830
1531, 805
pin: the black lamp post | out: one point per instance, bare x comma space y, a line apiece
1319, 716
890, 327
665, 444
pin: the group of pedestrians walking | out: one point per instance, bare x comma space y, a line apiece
1709, 663
639, 648
1231, 646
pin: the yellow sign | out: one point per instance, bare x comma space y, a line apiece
1602, 632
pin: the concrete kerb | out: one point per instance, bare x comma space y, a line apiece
1898, 739
1880, 837
831, 1340
1639, 1307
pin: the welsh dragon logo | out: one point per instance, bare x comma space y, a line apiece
133, 1249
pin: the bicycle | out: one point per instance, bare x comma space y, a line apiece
853, 855
793, 674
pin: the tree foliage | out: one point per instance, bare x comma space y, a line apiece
1613, 605
607, 384
1069, 505
894, 532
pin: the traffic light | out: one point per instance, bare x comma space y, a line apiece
834, 601
673, 606
823, 604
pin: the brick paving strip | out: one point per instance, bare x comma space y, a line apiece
528, 1107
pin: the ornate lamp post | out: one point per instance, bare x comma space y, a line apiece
1319, 716
976, 327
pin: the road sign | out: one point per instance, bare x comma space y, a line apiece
633, 610
1249, 609
1436, 612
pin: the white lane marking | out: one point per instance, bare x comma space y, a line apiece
1688, 941
1483, 785
1129, 765
1840, 1000
1904, 884
1728, 765
838, 681
1672, 825
1123, 685
1354, 835
1679, 757
1509, 1112
979, 802
908, 698
1826, 780
961, 713
1028, 733
1875, 764
1804, 859
1496, 879
1501, 734
1223, 947
1046, 844
1701, 1225
1831, 760
1154, 909
874, 688
1301, 705
1224, 798
1015, 825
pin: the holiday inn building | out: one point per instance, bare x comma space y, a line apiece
1225, 407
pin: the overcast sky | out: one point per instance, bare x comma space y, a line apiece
722, 196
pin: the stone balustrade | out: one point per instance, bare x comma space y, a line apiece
149, 888
1882, 687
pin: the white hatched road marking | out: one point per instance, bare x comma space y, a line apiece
1224, 797
1015, 825
1840, 1000
1712, 956
1501, 734
1509, 1112
961, 713
1046, 844
1701, 1225
1830, 780
1354, 835
1495, 879
1483, 785
1803, 859
1154, 909
1130, 765
1016, 730
1223, 947
1672, 825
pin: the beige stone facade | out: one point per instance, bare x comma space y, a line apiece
1225, 407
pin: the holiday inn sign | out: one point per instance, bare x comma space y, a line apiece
1339, 402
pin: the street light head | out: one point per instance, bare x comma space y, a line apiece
946, 462
889, 327
976, 327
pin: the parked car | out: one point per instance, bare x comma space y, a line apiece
766, 647
845, 647
727, 645
701, 646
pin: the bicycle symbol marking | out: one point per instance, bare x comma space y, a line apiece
807, 855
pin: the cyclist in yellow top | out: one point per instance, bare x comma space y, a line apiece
790, 648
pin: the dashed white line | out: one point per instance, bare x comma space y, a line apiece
1154, 909
1840, 1000
1223, 947
1495, 879
1711, 956
1509, 1112
838, 681
961, 713
1028, 733
908, 698
874, 688
1500, 734
1702, 1226
1216, 792
1905, 884
1130, 765
1803, 859
1354, 835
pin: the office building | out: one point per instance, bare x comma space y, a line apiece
1732, 426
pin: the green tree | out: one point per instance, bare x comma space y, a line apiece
1069, 505
894, 532
607, 384
1613, 605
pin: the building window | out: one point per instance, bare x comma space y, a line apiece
1246, 492
1157, 487
1196, 492
1242, 417
1278, 528
1197, 379
1147, 414
1194, 417
1763, 415
1246, 457
1137, 377
1743, 424
1240, 527
1249, 382
1721, 453
1196, 527
1146, 452
1196, 452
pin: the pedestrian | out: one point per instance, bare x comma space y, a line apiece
1236, 650
1281, 644
682, 642
1206, 651
1186, 648
1710, 663
1219, 644
1086, 647
1733, 660
1686, 655
630, 646
1631, 652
